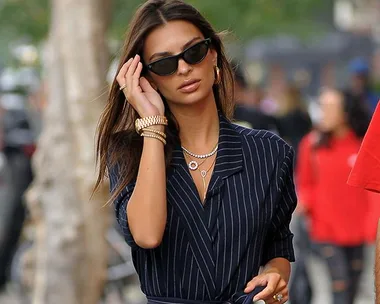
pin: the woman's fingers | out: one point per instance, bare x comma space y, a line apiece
130, 72
256, 281
137, 89
146, 86
279, 297
268, 291
121, 75
136, 76
274, 283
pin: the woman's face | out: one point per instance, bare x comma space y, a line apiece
171, 39
332, 111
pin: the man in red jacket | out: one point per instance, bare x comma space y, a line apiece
366, 174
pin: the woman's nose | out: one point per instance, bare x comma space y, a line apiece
183, 67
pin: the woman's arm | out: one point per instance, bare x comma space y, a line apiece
146, 209
278, 246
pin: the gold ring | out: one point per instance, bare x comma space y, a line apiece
278, 297
123, 87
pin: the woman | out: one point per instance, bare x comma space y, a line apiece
337, 212
205, 212
293, 119
293, 124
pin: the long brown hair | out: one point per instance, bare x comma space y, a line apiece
117, 142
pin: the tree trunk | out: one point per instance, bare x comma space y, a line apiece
71, 250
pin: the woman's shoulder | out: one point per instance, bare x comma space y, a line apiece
257, 135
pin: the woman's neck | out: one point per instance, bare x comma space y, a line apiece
199, 126
341, 131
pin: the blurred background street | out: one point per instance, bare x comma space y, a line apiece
290, 58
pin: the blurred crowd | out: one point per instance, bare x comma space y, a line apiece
334, 221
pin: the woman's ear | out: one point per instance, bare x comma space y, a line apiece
214, 56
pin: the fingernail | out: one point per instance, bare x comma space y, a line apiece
255, 299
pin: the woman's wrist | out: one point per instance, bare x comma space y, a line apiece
159, 128
280, 266
150, 121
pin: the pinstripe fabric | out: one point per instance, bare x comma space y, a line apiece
209, 252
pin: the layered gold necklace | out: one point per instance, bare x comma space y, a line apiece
194, 165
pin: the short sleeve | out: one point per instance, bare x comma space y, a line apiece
120, 204
279, 239
366, 171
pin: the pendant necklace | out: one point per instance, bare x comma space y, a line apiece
193, 165
203, 175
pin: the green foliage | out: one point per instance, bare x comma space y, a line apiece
22, 19
245, 18
250, 18
25, 18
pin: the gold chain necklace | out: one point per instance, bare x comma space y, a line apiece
203, 174
193, 164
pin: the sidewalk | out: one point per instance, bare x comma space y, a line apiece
6, 297
321, 281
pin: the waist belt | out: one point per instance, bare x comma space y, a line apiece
160, 300
153, 300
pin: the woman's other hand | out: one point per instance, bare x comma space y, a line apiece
276, 290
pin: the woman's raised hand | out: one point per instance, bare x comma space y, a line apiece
138, 91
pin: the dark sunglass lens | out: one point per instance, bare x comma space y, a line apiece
196, 53
165, 66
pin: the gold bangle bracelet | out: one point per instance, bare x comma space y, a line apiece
142, 123
155, 132
154, 136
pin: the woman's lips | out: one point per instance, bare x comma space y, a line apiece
191, 87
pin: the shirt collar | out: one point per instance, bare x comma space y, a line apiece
229, 159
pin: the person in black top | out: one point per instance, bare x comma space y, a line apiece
293, 119
202, 202
360, 83
246, 115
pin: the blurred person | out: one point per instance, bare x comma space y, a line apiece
256, 95
337, 212
245, 114
202, 202
294, 123
293, 118
360, 82
366, 174
17, 146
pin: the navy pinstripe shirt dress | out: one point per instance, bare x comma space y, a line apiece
209, 252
